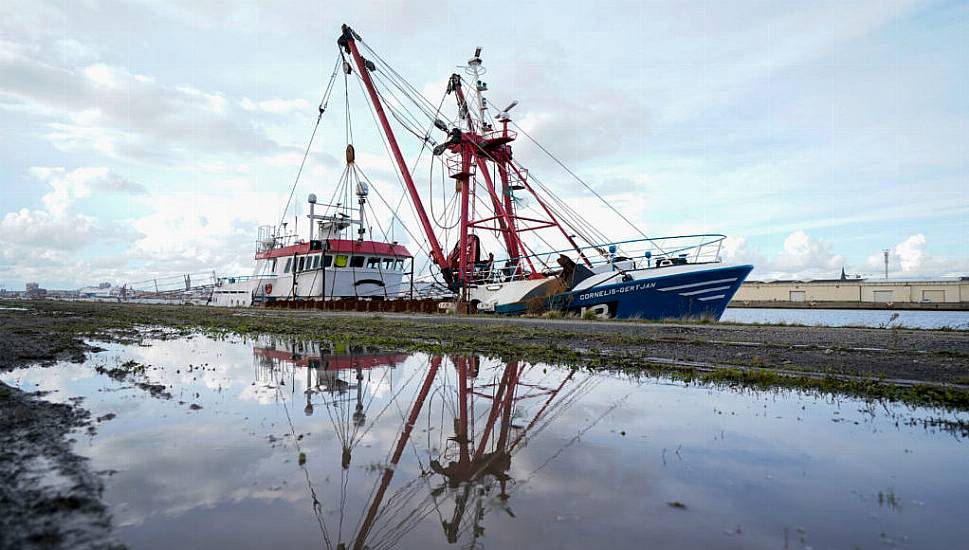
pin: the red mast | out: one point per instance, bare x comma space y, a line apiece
474, 148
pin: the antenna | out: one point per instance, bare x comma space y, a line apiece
886, 251
312, 201
475, 69
503, 115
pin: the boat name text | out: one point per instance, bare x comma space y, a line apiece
616, 290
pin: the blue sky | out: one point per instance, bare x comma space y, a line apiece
150, 138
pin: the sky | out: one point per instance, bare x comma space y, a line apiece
144, 139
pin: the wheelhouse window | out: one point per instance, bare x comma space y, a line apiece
289, 264
356, 261
302, 259
327, 260
341, 260
399, 265
373, 263
316, 261
388, 263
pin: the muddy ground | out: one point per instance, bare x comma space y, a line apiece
49, 330
51, 498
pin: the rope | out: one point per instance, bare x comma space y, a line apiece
322, 108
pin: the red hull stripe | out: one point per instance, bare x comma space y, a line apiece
336, 362
339, 246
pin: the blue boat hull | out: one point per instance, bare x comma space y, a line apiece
698, 294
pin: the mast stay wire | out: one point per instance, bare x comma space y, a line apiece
421, 103
376, 483
322, 108
581, 181
400, 181
414, 95
447, 203
573, 222
572, 219
396, 173
568, 220
324, 103
317, 506
394, 106
576, 222
477, 183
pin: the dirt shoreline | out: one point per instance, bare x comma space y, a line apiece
49, 497
923, 367
49, 331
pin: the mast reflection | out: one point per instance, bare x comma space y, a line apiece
478, 412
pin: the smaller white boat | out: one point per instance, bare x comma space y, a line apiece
327, 266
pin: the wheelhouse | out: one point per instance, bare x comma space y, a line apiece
337, 254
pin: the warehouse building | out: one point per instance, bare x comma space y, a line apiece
943, 293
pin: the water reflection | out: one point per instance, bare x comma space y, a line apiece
335, 445
481, 415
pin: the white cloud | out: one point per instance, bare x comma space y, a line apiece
803, 253
276, 105
83, 139
103, 76
215, 102
911, 252
68, 187
737, 250
33, 242
29, 229
911, 258
87, 117
203, 230
801, 257
109, 111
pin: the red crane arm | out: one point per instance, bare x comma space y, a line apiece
348, 41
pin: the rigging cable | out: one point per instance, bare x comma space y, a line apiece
322, 108
400, 181
580, 180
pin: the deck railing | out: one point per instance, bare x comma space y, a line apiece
630, 255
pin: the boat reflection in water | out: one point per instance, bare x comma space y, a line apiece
471, 416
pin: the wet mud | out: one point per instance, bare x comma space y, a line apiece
49, 498
48, 330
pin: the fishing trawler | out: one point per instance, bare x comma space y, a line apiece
328, 265
492, 234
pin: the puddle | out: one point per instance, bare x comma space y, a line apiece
240, 443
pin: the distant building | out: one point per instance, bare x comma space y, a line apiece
34, 291
932, 293
103, 291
